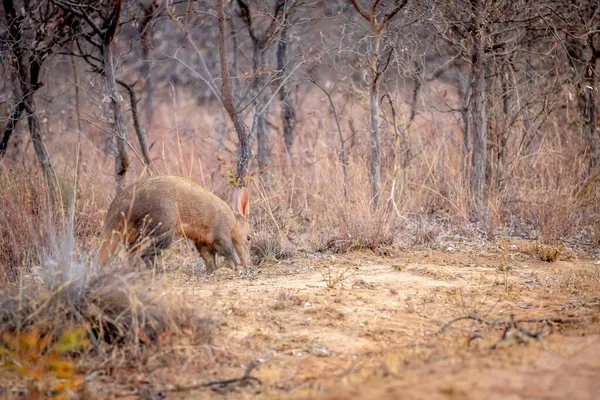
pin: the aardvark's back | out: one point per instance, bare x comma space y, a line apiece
160, 208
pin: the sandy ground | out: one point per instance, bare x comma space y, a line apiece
376, 334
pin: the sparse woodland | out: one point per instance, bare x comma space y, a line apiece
356, 125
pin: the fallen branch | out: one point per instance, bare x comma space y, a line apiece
495, 322
224, 385
512, 331
452, 321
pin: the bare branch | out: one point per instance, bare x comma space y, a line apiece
139, 130
240, 127
399, 6
69, 7
361, 11
275, 23
247, 18
113, 22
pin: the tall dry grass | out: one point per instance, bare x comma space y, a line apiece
62, 300
29, 225
303, 202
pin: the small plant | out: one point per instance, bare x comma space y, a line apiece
402, 267
504, 267
45, 362
333, 276
548, 253
286, 298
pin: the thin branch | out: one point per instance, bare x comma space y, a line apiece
556, 320
139, 130
69, 7
247, 18
113, 22
14, 117
399, 6
360, 10
226, 384
272, 29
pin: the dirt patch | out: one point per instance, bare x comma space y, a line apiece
376, 334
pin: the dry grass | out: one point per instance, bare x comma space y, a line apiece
302, 205
305, 204
335, 276
28, 225
286, 299
116, 308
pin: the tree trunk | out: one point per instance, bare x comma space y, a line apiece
238, 123
39, 147
14, 117
288, 110
28, 77
120, 133
262, 140
589, 112
375, 159
237, 95
139, 130
144, 70
478, 110
260, 111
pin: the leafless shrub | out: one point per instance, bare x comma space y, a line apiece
286, 298
27, 226
334, 276
116, 308
546, 252
360, 227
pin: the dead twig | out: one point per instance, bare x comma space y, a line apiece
224, 385
513, 332
461, 318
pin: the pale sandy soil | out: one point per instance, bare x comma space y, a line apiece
375, 336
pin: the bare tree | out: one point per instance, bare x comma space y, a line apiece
478, 109
99, 25
580, 24
377, 66
261, 40
227, 98
288, 108
34, 32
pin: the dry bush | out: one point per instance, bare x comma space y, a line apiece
117, 308
23, 208
551, 200
340, 224
334, 276
271, 223
548, 253
64, 290
359, 227
27, 220
286, 298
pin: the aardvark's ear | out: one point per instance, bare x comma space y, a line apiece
241, 201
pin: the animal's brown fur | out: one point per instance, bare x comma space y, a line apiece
148, 214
